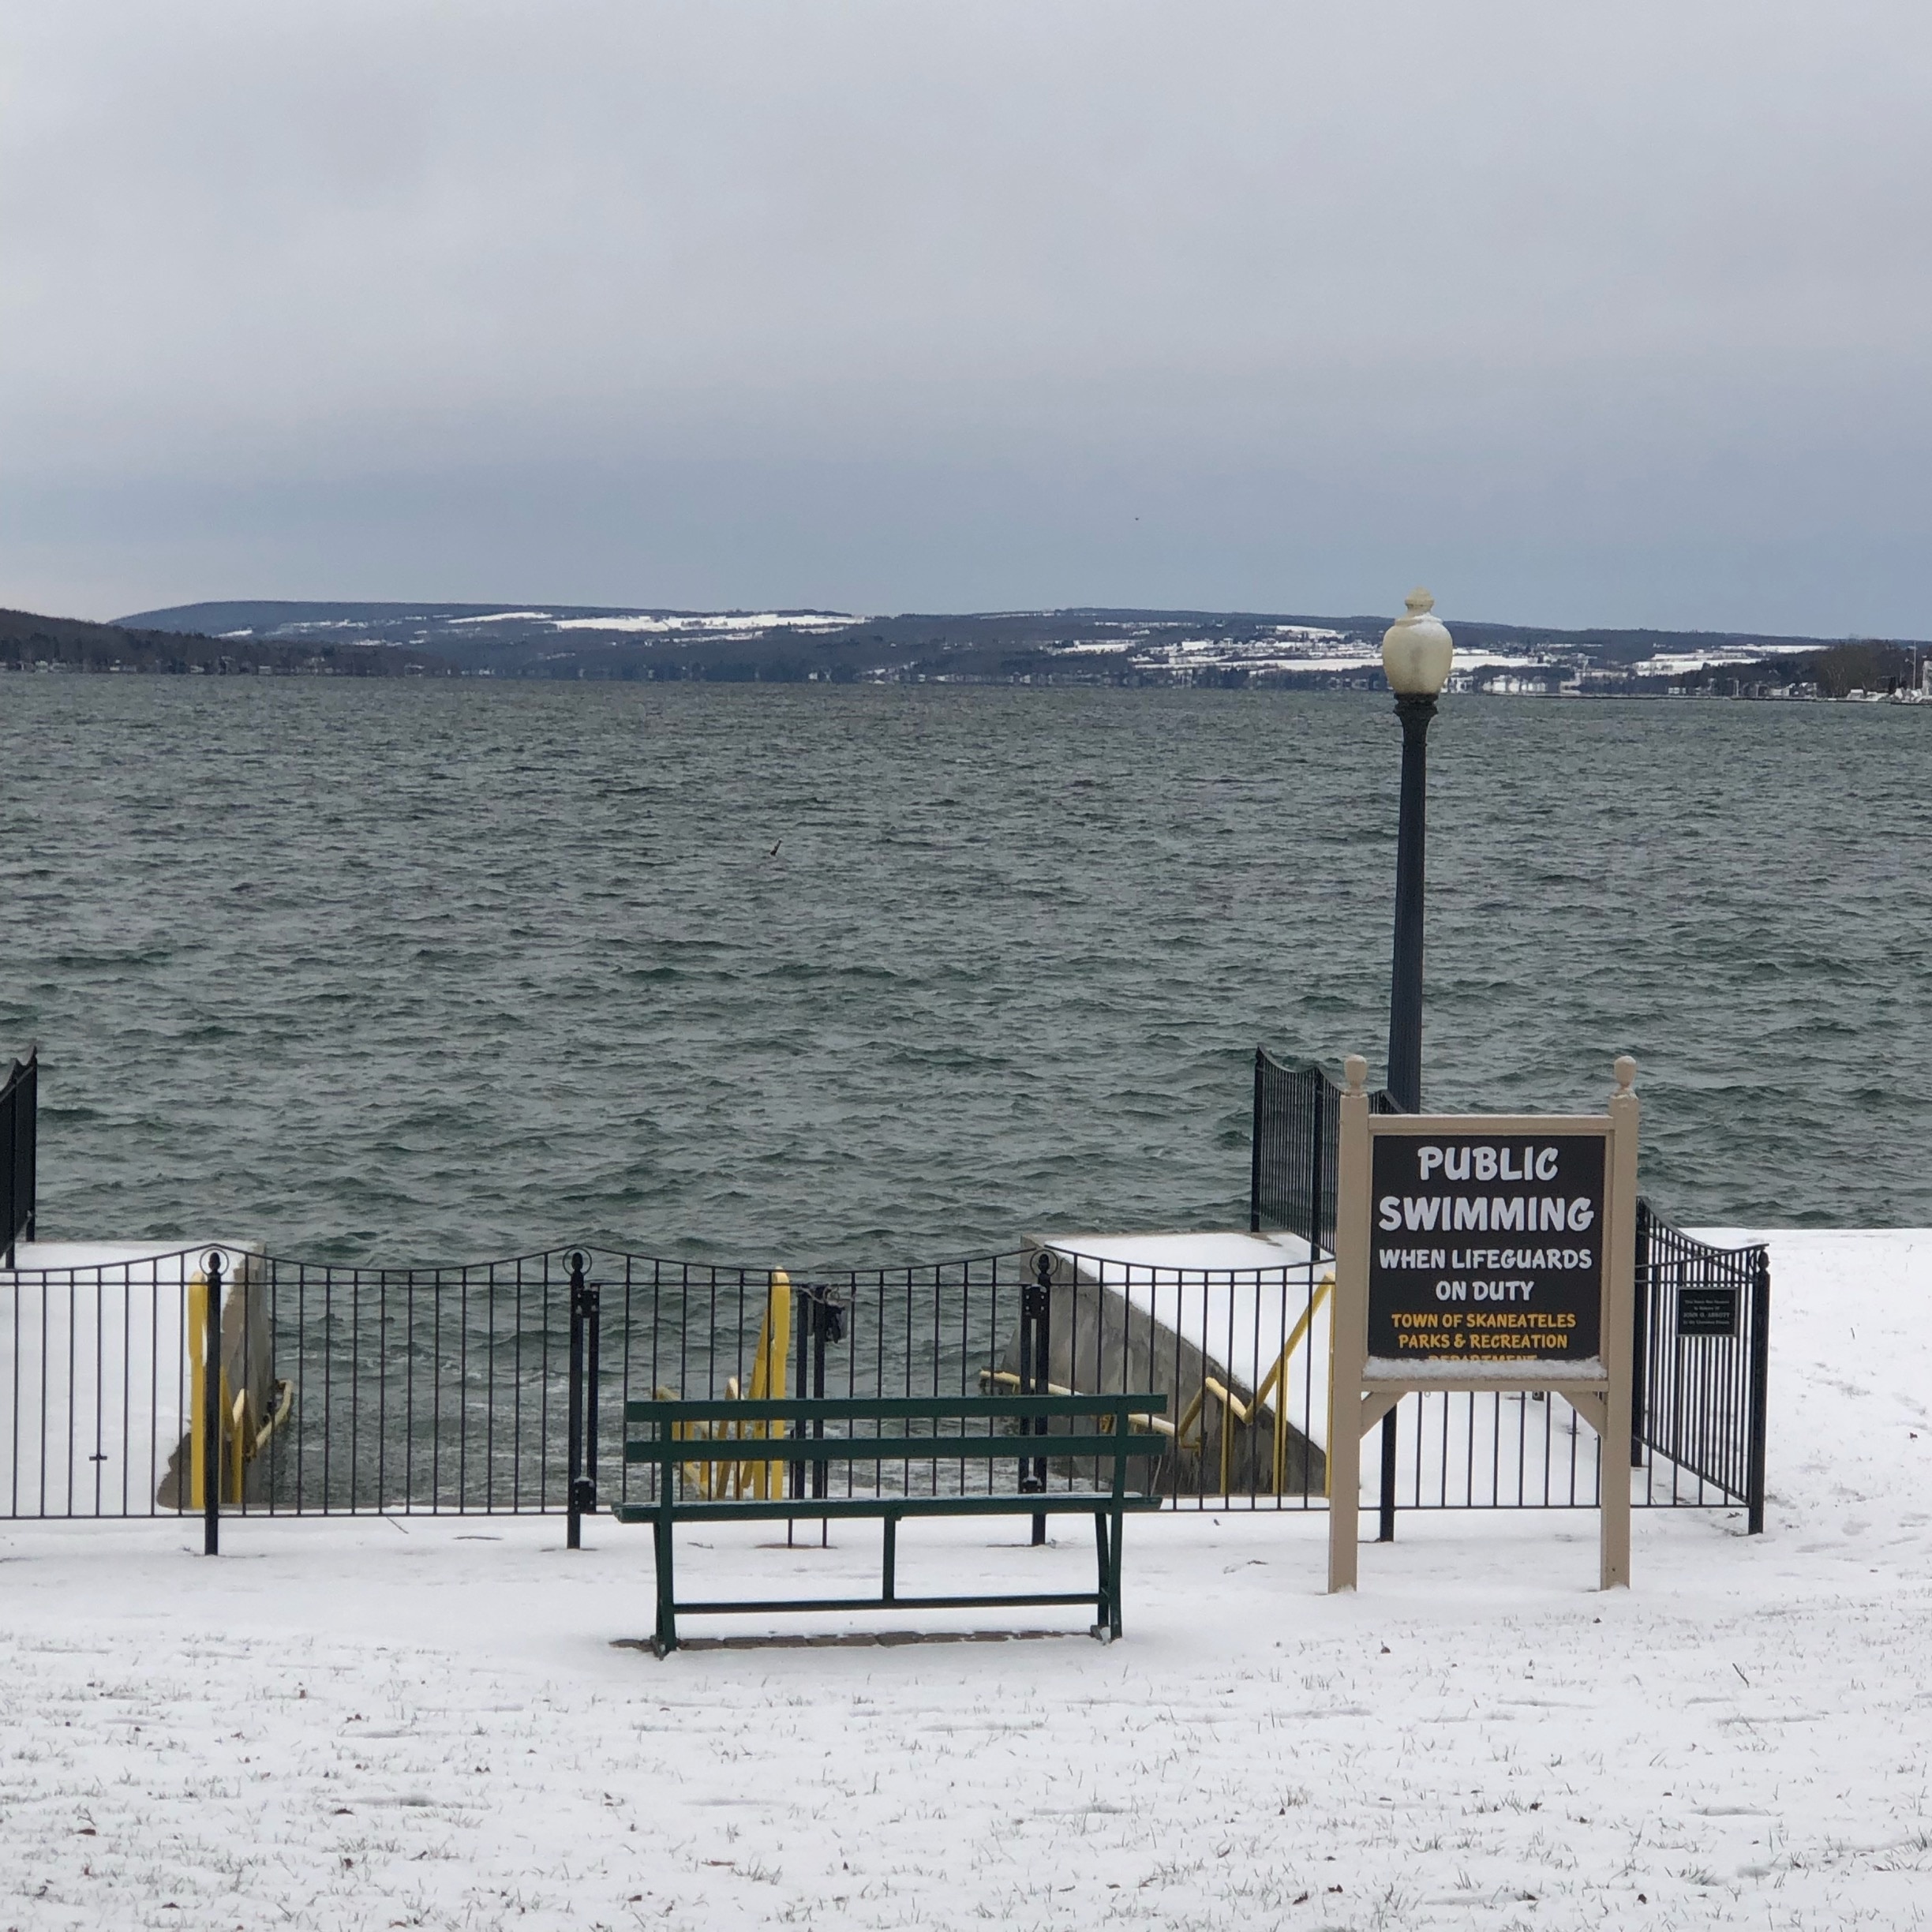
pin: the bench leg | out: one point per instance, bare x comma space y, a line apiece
1103, 1627
892, 1559
665, 1640
1114, 1578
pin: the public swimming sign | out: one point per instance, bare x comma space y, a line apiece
1480, 1252
1487, 1247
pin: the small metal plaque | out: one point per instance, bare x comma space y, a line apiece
1707, 1312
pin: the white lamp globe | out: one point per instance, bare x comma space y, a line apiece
1417, 649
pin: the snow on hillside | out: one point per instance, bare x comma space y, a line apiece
426, 1723
703, 622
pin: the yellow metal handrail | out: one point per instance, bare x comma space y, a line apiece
1187, 1432
242, 1438
1273, 1385
1005, 1378
714, 1476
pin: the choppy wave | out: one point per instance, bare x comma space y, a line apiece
444, 970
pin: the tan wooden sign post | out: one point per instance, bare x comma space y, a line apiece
1483, 1250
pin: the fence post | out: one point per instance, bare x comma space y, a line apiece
33, 1142
801, 1386
1254, 1151
1385, 1525
828, 1321
1036, 1316
1324, 1132
18, 1105
822, 1320
1640, 1336
1760, 1391
593, 1323
211, 1408
1385, 1521
574, 1504
11, 1154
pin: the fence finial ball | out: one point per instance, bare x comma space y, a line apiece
1356, 1069
1418, 650
1625, 1072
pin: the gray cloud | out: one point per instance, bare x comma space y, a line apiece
1586, 315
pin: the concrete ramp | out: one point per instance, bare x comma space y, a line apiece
1232, 1326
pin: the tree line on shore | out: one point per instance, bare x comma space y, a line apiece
29, 642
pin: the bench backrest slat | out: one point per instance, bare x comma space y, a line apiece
668, 1411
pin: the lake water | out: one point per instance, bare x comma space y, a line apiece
441, 971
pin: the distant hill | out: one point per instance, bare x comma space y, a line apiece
29, 642
554, 640
1084, 646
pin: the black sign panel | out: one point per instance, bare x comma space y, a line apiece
1707, 1311
1486, 1248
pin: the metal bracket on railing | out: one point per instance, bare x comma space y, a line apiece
822, 1325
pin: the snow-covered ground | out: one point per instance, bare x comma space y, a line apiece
374, 1723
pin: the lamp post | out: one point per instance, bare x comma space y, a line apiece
1416, 653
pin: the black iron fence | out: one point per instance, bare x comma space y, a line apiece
281, 1386
233, 1381
20, 1097
1702, 1354
1701, 1360
1295, 1147
1698, 1404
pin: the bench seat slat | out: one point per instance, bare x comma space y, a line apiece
779, 1605
778, 1509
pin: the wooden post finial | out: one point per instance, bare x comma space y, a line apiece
1625, 1072
1356, 1069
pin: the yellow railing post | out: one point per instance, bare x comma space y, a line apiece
242, 1438
768, 1381
769, 1367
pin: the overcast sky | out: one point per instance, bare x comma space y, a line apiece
1608, 314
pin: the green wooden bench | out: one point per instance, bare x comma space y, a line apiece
674, 1435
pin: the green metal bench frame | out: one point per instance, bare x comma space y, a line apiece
1110, 1436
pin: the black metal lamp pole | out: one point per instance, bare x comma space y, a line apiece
1416, 653
1405, 1047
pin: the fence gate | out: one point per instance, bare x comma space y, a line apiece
1702, 1322
1702, 1357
